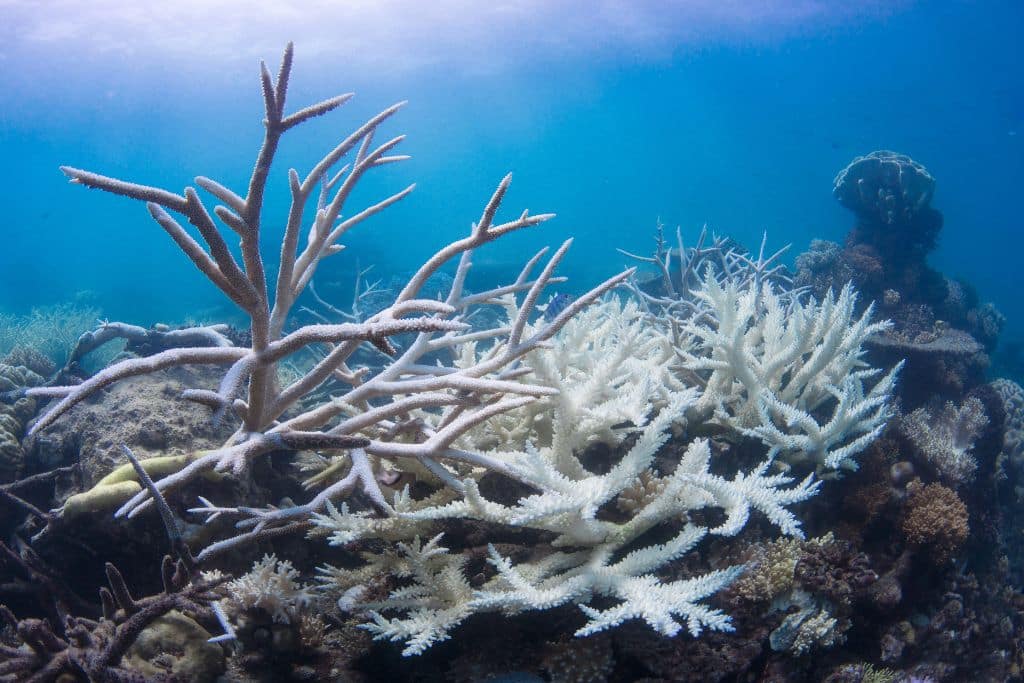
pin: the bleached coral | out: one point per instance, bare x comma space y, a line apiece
569, 505
609, 369
525, 404
790, 373
271, 586
753, 350
811, 627
946, 437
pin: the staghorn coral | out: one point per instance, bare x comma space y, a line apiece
434, 596
442, 418
945, 438
770, 366
439, 596
365, 419
144, 413
609, 368
680, 271
935, 519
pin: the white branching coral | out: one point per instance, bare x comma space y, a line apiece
271, 586
773, 367
607, 368
570, 504
790, 373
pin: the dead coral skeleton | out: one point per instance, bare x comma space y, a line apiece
682, 271
96, 649
369, 417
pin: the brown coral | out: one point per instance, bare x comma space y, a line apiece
935, 519
835, 570
769, 570
587, 660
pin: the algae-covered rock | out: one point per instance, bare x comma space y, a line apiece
147, 414
176, 645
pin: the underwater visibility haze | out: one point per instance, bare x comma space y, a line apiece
558, 341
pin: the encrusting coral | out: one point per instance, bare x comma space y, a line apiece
557, 426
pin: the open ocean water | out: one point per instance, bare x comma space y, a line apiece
611, 114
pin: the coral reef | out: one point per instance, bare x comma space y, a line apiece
48, 330
774, 365
939, 326
14, 417
431, 482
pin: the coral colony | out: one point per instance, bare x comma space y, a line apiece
642, 454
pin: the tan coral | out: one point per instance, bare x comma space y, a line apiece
771, 568
13, 417
935, 519
641, 492
946, 437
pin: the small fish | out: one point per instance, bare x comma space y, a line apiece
557, 304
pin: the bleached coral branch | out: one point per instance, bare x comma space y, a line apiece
789, 373
569, 505
414, 409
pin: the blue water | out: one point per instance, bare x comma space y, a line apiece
692, 115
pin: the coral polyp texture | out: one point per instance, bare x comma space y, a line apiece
618, 459
886, 187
